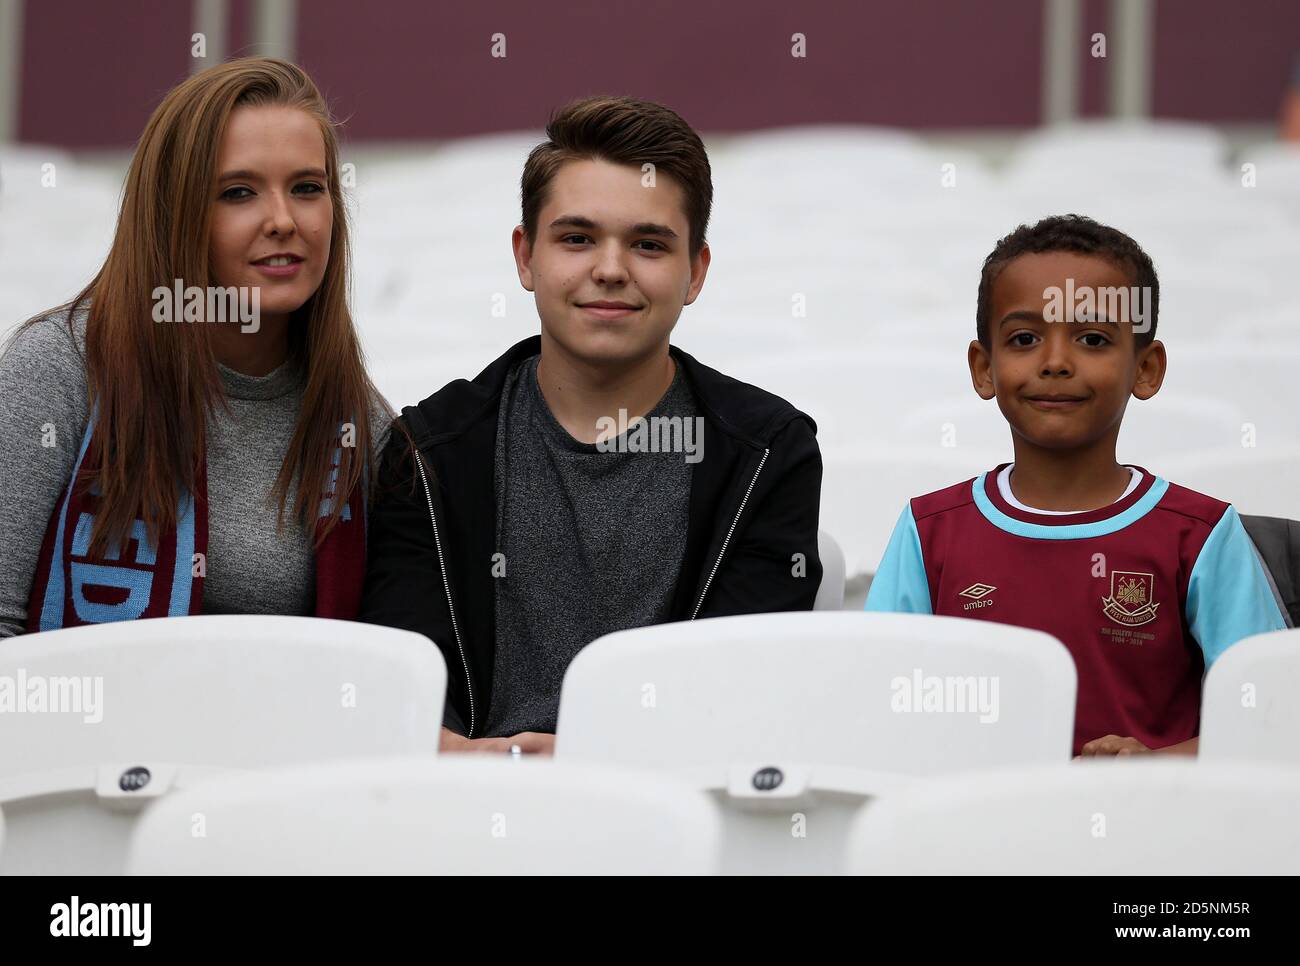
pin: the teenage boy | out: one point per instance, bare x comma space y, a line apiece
538, 511
1144, 581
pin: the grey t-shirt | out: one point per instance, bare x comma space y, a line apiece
592, 541
251, 568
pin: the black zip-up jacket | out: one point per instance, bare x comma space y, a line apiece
753, 506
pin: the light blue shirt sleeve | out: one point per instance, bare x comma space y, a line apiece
1228, 595
900, 585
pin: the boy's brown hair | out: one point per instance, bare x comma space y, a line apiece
621, 130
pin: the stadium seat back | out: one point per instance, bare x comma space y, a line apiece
1249, 710
792, 721
458, 815
1135, 816
830, 593
133, 710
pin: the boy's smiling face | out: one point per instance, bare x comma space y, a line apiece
1062, 385
610, 265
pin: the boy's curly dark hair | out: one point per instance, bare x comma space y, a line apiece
1069, 233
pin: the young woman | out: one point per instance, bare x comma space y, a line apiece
158, 461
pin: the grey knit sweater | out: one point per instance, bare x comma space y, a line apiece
251, 569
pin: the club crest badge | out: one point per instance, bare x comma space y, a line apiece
1130, 601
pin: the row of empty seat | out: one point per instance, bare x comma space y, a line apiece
759, 744
487, 816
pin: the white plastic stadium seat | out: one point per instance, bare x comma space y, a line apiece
1168, 154
864, 492
849, 393
1249, 707
1258, 480
1258, 379
458, 815
1277, 173
161, 704
830, 592
1129, 816
835, 163
794, 720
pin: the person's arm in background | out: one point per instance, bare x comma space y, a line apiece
43, 412
760, 573
1290, 126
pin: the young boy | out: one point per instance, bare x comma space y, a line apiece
540, 512
1144, 581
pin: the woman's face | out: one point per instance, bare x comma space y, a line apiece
272, 215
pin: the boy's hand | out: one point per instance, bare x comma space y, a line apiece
529, 742
1112, 745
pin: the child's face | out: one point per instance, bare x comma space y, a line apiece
1062, 384
610, 265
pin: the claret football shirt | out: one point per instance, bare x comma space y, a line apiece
1145, 593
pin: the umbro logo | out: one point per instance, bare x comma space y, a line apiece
977, 592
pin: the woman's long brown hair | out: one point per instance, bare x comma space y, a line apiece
154, 384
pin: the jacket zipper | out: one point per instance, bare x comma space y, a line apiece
446, 586
727, 540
